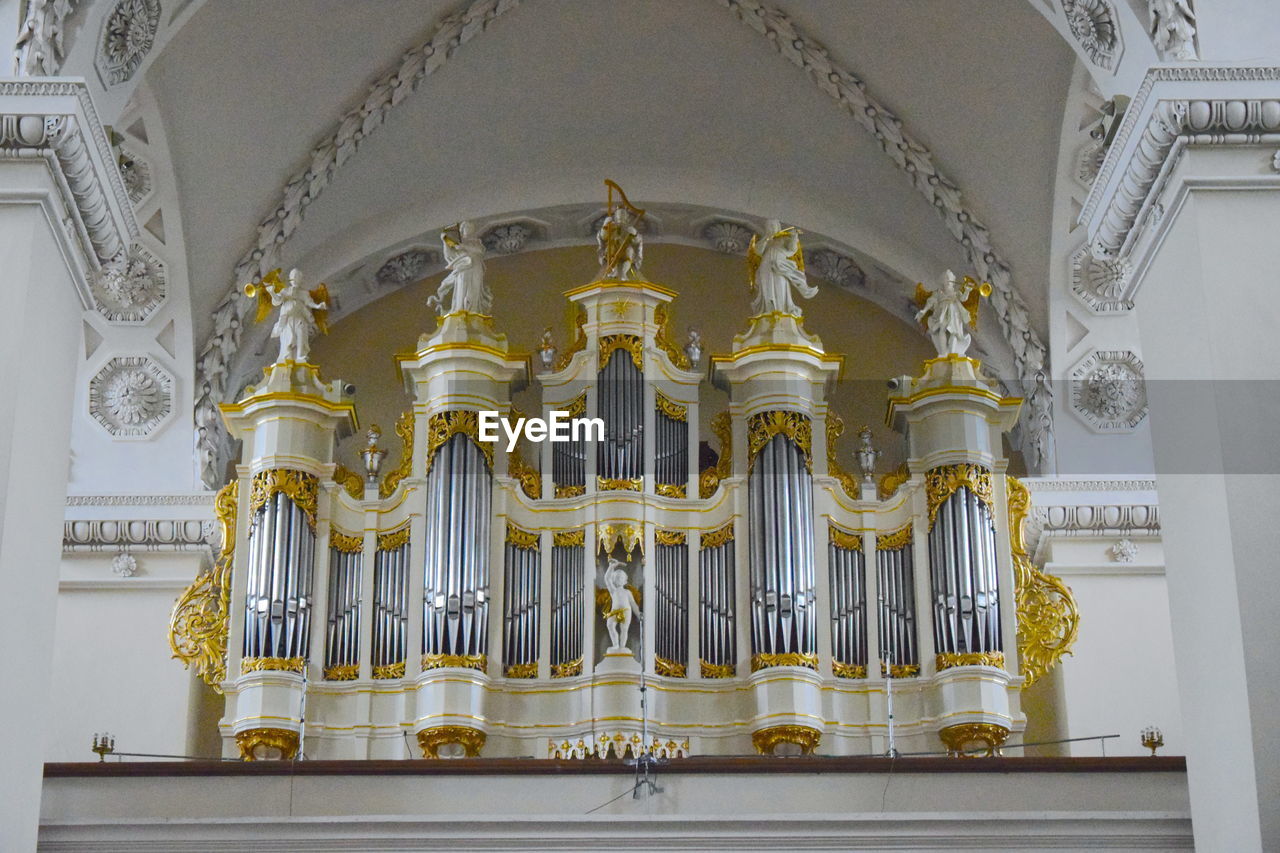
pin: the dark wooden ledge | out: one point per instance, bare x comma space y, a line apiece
550, 767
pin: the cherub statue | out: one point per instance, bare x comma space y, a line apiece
950, 311
776, 264
464, 286
622, 603
619, 246
1173, 28
302, 312
867, 455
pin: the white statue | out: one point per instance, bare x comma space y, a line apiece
950, 311
1173, 29
867, 455
776, 264
302, 312
464, 255
622, 603
619, 246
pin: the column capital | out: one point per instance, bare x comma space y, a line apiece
53, 118
1175, 108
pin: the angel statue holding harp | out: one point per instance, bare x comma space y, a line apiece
302, 312
618, 245
464, 255
950, 311
776, 264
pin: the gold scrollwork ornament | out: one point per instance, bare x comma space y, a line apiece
848, 482
709, 479
662, 317
404, 429
767, 660
298, 486
470, 740
267, 744
443, 426
199, 623
763, 426
525, 540
767, 741
942, 482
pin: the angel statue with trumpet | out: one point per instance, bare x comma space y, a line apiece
776, 265
950, 311
302, 312
464, 255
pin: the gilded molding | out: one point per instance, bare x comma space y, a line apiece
670, 408
345, 542
440, 661
848, 482
767, 740
716, 538
248, 665
443, 426
604, 484
404, 429
716, 670
389, 671
763, 426
670, 490
670, 537
709, 480
394, 539
942, 482
284, 740
297, 486
1048, 617
342, 672
900, 670
669, 668
568, 669
526, 540
843, 538
471, 740
573, 491
950, 660
848, 670
351, 482
200, 621
522, 670
633, 344
569, 538
662, 317
960, 738
900, 538
766, 660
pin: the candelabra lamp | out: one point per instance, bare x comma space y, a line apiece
103, 744
1152, 739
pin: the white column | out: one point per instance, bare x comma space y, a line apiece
45, 253
1202, 240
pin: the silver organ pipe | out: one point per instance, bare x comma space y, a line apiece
523, 557
671, 642
281, 563
780, 501
671, 447
456, 577
848, 603
390, 601
569, 458
896, 583
962, 555
718, 641
568, 588
342, 648
620, 457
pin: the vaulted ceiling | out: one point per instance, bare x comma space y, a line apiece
678, 100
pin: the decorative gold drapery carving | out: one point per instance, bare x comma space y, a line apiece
630, 535
526, 475
471, 740
440, 661
670, 537
298, 486
526, 540
848, 482
349, 480
709, 479
767, 740
522, 670
200, 621
570, 491
900, 538
673, 410
579, 340
345, 542
900, 670
577, 407
443, 426
404, 429
716, 538
670, 490
845, 539
284, 740
716, 670
389, 671
960, 738
568, 669
949, 660
569, 538
633, 344
662, 317
669, 668
393, 539
892, 481
765, 660
248, 665
1048, 618
941, 482
606, 484
763, 426
848, 670
342, 672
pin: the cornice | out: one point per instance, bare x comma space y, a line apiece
136, 535
1174, 106
199, 499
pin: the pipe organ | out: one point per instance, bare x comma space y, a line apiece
479, 604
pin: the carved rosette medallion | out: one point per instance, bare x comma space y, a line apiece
1108, 391
406, 267
1095, 26
1100, 284
131, 396
131, 291
127, 37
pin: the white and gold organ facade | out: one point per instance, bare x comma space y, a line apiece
476, 601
